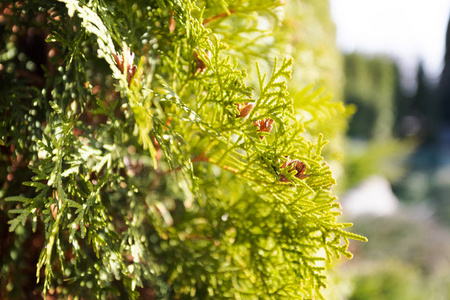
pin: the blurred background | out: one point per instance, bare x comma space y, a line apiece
396, 182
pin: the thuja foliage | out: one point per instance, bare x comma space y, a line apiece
140, 161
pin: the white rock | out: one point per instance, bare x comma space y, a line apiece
373, 196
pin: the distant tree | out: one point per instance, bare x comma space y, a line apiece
444, 84
371, 85
417, 115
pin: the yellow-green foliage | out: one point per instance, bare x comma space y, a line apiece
303, 30
317, 82
147, 178
311, 35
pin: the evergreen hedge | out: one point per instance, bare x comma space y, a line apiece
138, 160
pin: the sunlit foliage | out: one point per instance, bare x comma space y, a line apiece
144, 162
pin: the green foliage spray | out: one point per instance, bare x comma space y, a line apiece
140, 160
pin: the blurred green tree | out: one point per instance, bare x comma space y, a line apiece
371, 85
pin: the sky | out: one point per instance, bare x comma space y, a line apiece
407, 30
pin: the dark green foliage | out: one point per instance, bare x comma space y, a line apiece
143, 179
418, 115
443, 88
